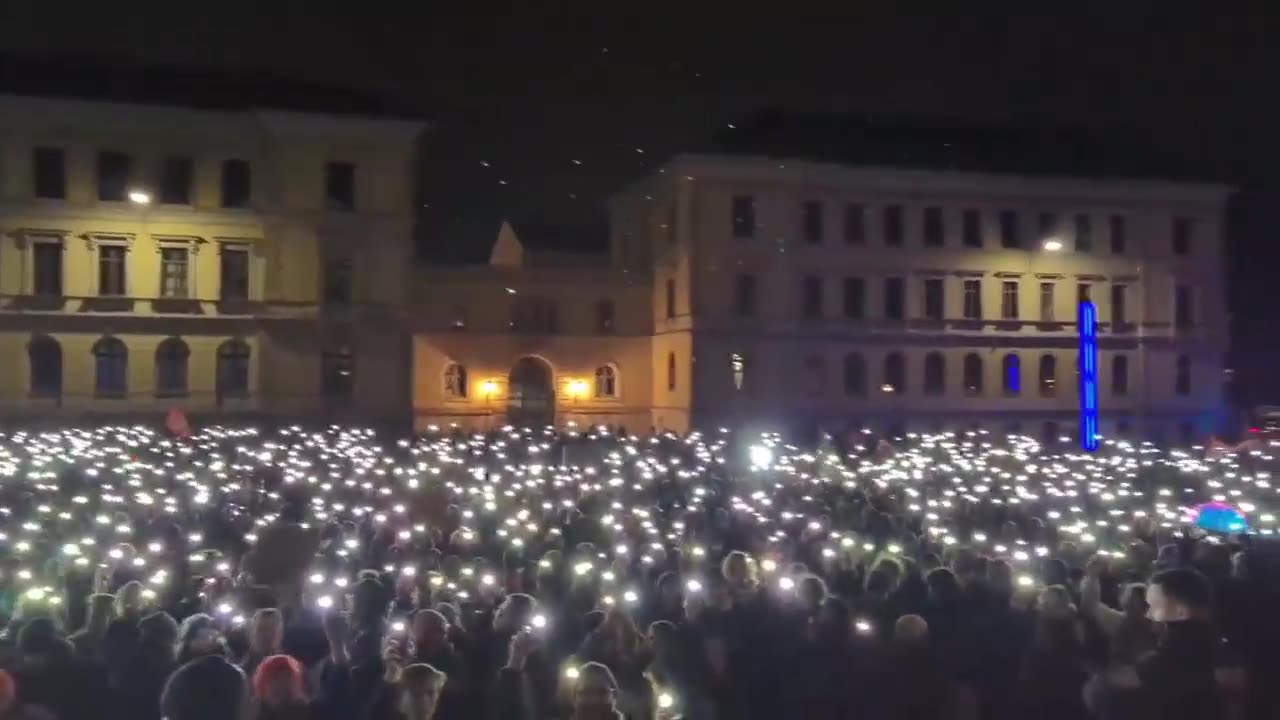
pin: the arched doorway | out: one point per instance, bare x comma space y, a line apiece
531, 396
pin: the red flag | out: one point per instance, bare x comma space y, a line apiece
176, 423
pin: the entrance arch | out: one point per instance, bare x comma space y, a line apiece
531, 395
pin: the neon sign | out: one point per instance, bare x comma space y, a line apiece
1087, 320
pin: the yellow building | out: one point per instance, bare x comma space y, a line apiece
246, 261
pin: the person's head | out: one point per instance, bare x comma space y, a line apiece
430, 630
737, 570
158, 630
1134, 601
595, 693
197, 636
670, 593
207, 688
663, 637
266, 631
1177, 595
368, 602
911, 630
944, 588
1055, 603
420, 688
39, 640
812, 592
514, 613
129, 601
278, 681
102, 610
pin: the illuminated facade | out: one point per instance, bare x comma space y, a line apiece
222, 262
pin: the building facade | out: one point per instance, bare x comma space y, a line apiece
834, 296
221, 262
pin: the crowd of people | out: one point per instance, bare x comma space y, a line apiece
295, 574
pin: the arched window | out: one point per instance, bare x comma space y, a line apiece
1182, 380
45, 357
338, 373
895, 373
1120, 375
171, 368
935, 374
1011, 374
110, 368
973, 374
606, 382
1048, 375
855, 375
671, 371
455, 381
233, 369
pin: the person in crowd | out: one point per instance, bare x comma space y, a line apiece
198, 636
89, 640
139, 682
278, 690
408, 691
1053, 672
206, 688
595, 694
266, 635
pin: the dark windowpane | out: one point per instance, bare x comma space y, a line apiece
111, 259
1009, 300
855, 224
744, 216
972, 300
1183, 229
233, 370
1182, 378
1183, 311
933, 227
337, 281
234, 274
1011, 374
1118, 310
1084, 233
111, 368
1120, 375
114, 169
1009, 229
171, 368
813, 225
45, 356
744, 295
1084, 292
173, 272
812, 301
894, 302
893, 227
854, 298
671, 298
48, 268
855, 375
1048, 376
605, 320
337, 374
175, 181
340, 186
933, 299
972, 229
534, 315
973, 374
49, 172
671, 371
1118, 238
236, 183
935, 374
895, 373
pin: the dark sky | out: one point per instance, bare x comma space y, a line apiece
529, 90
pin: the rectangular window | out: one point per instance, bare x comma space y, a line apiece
175, 181
534, 315
1118, 240
933, 299
855, 224
234, 274
893, 229
1084, 292
1118, 314
1183, 229
1183, 307
1009, 229
1009, 300
744, 216
894, 302
338, 277
173, 272
813, 222
934, 229
1046, 302
855, 306
236, 183
1048, 226
114, 169
48, 268
49, 172
606, 322
1084, 233
972, 299
671, 298
340, 186
812, 301
972, 228
744, 295
111, 269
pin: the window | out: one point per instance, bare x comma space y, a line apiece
1084, 233
111, 269
972, 374
1182, 378
813, 222
1183, 229
233, 273
606, 382
1009, 300
895, 373
535, 315
744, 216
671, 298
1009, 229
175, 181
1183, 308
49, 172
173, 272
933, 299
971, 228
738, 369
1048, 376
338, 273
455, 381
45, 358
1120, 375
340, 186
972, 299
812, 300
855, 224
171, 368
605, 319
1118, 310
237, 183
934, 231
1117, 234
114, 169
1048, 226
744, 295
894, 302
1084, 292
1046, 302
854, 298
815, 374
935, 374
233, 369
47, 270
893, 229
855, 375
671, 371
337, 373
1011, 374
110, 368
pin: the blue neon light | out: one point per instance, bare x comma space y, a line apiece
1087, 319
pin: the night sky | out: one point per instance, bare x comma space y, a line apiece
539, 114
